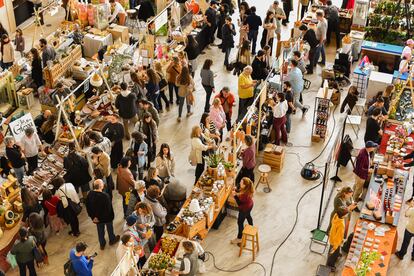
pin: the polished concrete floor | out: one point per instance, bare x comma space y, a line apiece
274, 213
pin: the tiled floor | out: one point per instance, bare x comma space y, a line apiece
274, 213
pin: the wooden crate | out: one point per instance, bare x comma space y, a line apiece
190, 231
210, 216
274, 156
221, 198
52, 75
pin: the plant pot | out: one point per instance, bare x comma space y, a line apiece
212, 171
230, 172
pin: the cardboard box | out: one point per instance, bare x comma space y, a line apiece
119, 32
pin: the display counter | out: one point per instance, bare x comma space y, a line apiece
386, 56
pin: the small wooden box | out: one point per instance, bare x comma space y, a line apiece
119, 32
190, 231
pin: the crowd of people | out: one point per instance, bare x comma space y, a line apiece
145, 170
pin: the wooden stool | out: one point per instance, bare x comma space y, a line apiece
250, 233
264, 173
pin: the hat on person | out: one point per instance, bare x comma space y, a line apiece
370, 144
140, 184
131, 220
409, 42
213, 3
303, 28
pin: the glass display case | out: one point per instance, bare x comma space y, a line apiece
101, 16
361, 9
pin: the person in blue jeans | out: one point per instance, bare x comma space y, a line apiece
99, 208
321, 31
228, 32
408, 233
81, 264
254, 21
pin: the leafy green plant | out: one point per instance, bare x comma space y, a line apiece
214, 159
228, 165
365, 262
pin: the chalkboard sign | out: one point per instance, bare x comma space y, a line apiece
18, 126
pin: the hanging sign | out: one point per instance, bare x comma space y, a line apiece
161, 20
18, 126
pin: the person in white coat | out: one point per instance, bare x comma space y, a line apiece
197, 148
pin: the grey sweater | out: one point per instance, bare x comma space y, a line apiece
207, 78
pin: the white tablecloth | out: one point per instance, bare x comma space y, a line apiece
92, 43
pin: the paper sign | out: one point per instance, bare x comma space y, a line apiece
17, 127
161, 20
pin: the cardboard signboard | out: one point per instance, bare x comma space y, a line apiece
18, 126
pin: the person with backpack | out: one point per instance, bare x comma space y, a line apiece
23, 250
77, 170
79, 264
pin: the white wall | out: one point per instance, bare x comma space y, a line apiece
7, 17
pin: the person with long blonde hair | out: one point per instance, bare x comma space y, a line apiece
244, 199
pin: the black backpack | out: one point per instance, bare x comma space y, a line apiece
68, 269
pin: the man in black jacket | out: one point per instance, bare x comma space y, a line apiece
211, 20
259, 66
254, 21
309, 36
228, 32
99, 208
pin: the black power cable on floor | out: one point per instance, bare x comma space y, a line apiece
233, 270
294, 225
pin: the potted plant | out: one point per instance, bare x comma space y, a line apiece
365, 262
213, 160
229, 166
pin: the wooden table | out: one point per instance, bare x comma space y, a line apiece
6, 242
387, 247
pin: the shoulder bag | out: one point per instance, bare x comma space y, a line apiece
37, 253
75, 207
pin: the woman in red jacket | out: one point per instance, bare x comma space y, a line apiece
244, 199
50, 202
227, 101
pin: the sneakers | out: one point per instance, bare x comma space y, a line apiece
178, 119
235, 241
117, 237
305, 110
189, 114
102, 247
399, 255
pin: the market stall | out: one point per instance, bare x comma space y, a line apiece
11, 210
375, 236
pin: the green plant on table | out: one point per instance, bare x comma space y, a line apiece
228, 165
365, 262
214, 159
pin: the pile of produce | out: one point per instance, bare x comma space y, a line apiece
161, 261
